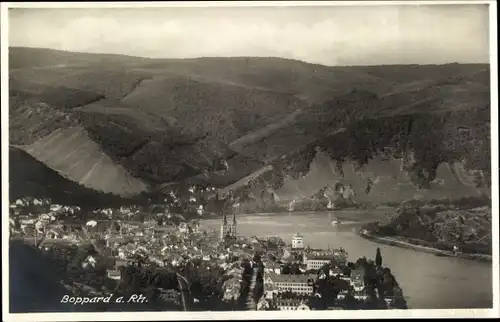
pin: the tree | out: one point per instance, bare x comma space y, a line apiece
295, 269
370, 278
325, 269
286, 269
361, 262
378, 258
17, 223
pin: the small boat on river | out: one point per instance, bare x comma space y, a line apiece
336, 222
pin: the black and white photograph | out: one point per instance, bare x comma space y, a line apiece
203, 160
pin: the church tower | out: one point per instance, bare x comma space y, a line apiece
298, 242
225, 228
234, 225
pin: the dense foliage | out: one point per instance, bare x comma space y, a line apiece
465, 224
165, 121
423, 141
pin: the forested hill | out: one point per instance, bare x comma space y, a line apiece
125, 125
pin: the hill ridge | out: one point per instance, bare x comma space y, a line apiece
173, 119
164, 59
235, 57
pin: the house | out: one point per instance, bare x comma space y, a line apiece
342, 295
114, 274
274, 251
358, 285
224, 266
46, 218
272, 267
124, 210
28, 221
231, 289
196, 228
91, 223
298, 284
360, 295
158, 261
263, 304
170, 295
317, 261
55, 208
162, 231
90, 261
121, 253
389, 300
292, 304
183, 228
286, 254
270, 294
55, 233
318, 251
336, 271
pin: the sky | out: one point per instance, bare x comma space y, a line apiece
328, 35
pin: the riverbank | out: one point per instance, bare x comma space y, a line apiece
404, 243
342, 214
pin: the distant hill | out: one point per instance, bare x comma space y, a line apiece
125, 125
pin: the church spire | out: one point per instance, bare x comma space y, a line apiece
219, 202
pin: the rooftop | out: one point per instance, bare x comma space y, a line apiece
114, 272
318, 250
288, 278
319, 257
165, 229
289, 301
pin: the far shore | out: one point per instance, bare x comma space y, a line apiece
340, 213
405, 244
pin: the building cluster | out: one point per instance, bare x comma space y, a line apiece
128, 241
294, 291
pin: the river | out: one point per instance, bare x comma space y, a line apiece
428, 281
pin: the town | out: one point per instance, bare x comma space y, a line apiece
212, 270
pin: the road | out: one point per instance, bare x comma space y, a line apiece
184, 288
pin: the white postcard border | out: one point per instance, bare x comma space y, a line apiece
246, 315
